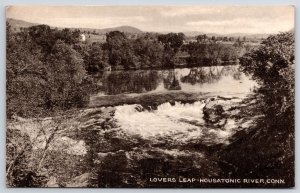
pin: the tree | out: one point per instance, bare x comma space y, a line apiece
120, 50
46, 37
43, 74
172, 43
96, 58
25, 74
68, 36
115, 39
172, 40
201, 38
149, 51
43, 36
273, 66
268, 149
210, 53
65, 75
36, 87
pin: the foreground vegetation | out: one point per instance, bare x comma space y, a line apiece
268, 151
45, 74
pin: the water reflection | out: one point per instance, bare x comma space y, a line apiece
171, 82
130, 82
201, 79
202, 75
211, 74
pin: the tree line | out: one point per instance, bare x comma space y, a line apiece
157, 51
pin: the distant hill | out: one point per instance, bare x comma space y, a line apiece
258, 36
196, 33
125, 29
192, 34
235, 35
17, 24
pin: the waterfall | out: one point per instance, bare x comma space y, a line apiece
178, 120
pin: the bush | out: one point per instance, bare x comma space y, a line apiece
268, 150
44, 73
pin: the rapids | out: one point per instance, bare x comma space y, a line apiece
182, 123
164, 121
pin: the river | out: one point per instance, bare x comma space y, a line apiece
178, 120
163, 123
225, 80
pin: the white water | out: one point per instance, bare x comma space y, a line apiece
166, 121
181, 123
184, 122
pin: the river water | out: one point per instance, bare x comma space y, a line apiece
218, 79
178, 121
127, 144
173, 137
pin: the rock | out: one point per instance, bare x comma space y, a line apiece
139, 108
213, 113
226, 98
172, 102
17, 118
107, 127
93, 122
79, 181
247, 124
222, 122
113, 124
218, 110
108, 112
102, 155
91, 112
147, 107
52, 183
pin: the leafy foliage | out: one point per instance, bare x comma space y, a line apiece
273, 66
150, 51
268, 150
65, 76
210, 53
44, 72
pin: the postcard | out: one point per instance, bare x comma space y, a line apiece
150, 96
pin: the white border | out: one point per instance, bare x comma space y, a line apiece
4, 3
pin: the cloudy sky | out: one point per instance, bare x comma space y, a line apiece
207, 19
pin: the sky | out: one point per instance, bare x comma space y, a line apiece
206, 19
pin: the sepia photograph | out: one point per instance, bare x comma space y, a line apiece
150, 96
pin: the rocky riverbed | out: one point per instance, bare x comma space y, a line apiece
126, 145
